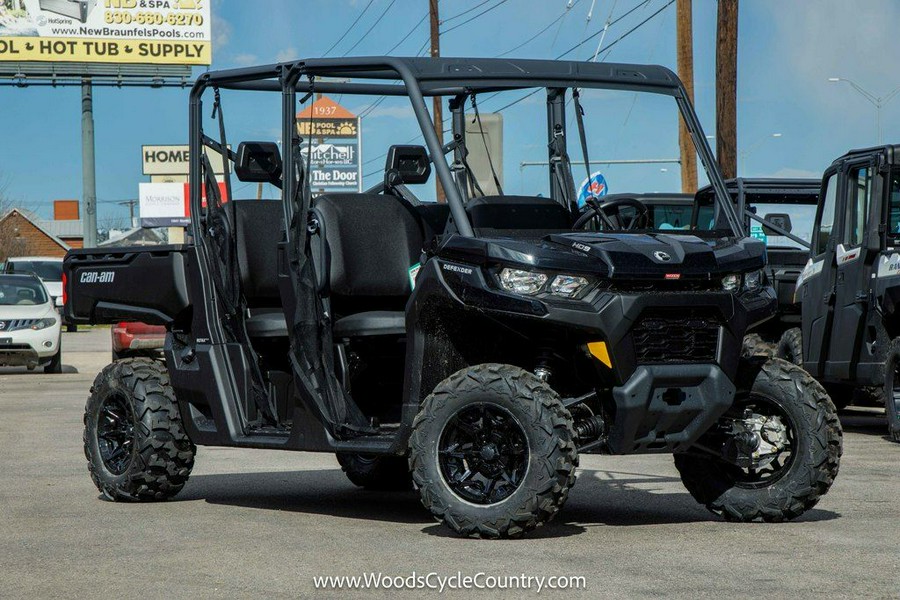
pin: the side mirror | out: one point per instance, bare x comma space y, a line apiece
782, 220
407, 164
258, 162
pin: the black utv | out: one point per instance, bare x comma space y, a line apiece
850, 286
474, 347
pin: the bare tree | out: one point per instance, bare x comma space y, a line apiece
11, 242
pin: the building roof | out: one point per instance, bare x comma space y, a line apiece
65, 229
38, 223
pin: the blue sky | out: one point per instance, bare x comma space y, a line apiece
786, 53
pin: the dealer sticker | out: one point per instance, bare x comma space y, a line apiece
413, 273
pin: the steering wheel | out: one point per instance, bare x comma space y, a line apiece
608, 213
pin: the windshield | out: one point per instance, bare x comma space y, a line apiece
800, 218
631, 140
45, 269
21, 291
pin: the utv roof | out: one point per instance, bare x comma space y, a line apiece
448, 75
892, 150
771, 185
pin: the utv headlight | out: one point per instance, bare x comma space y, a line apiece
753, 280
526, 283
43, 323
731, 283
567, 286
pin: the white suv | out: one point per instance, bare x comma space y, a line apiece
29, 324
48, 268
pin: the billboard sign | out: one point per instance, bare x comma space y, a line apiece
154, 32
335, 146
168, 204
174, 160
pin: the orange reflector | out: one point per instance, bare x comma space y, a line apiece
598, 350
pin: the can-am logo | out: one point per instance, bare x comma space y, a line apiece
97, 277
662, 256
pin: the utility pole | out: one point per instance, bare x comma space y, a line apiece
437, 109
88, 168
130, 204
726, 87
684, 39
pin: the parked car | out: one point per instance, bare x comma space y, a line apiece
137, 339
48, 268
29, 324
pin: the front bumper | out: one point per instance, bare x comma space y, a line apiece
28, 347
666, 408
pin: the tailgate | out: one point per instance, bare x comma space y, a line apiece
126, 284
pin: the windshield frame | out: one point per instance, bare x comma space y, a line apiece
445, 77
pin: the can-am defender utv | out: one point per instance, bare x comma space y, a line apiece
850, 287
478, 345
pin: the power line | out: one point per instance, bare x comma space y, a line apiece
533, 92
604, 49
636, 27
411, 31
611, 23
470, 19
467, 11
369, 30
352, 25
542, 31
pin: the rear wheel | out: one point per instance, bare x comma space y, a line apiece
892, 390
134, 439
754, 345
384, 473
790, 346
492, 452
774, 454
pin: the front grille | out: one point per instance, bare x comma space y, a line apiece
666, 285
670, 337
16, 324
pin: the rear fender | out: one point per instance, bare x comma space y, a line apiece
126, 284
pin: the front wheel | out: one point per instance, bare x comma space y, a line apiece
134, 438
55, 364
773, 454
492, 452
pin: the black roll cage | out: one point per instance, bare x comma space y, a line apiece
429, 77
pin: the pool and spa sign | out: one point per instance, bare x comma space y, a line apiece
158, 32
335, 144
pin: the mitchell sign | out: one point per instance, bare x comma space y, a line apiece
335, 161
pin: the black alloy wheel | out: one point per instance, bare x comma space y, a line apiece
483, 454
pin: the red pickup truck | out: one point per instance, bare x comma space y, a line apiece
137, 339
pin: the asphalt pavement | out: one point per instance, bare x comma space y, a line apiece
253, 523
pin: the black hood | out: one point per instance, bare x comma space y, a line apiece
616, 255
649, 254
